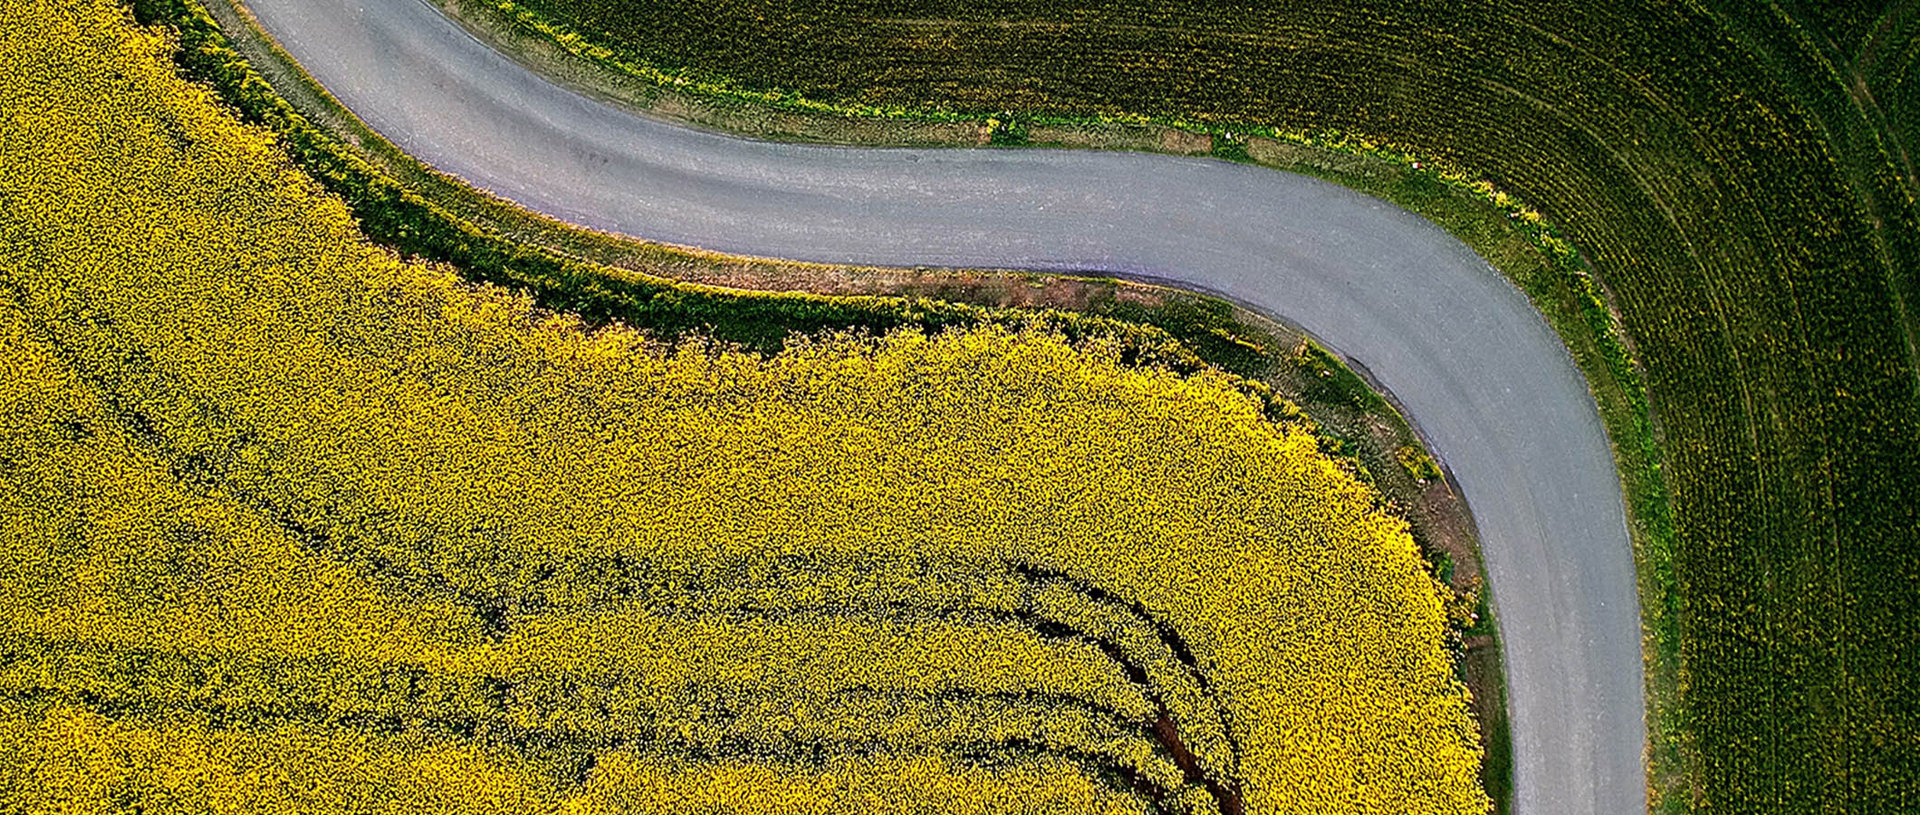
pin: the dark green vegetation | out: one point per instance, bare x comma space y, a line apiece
1738, 178
394, 214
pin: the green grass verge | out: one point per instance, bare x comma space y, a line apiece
441, 226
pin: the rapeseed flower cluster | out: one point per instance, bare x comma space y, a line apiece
292, 524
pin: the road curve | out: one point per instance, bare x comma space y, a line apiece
1485, 379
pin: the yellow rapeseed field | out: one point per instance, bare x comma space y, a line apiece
293, 525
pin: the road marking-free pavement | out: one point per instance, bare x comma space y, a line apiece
1479, 372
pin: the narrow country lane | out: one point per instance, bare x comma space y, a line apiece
1480, 373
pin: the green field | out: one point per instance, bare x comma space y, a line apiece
1739, 177
297, 524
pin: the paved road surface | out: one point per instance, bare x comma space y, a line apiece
1478, 370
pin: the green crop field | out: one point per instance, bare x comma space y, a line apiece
1739, 176
293, 524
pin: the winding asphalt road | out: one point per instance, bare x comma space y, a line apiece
1483, 377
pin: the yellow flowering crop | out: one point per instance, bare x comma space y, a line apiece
294, 525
